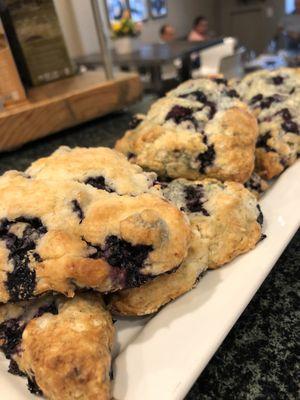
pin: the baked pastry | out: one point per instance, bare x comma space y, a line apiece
257, 185
274, 97
278, 143
226, 221
63, 235
62, 345
262, 84
100, 167
212, 92
201, 129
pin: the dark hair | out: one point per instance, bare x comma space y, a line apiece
199, 19
163, 29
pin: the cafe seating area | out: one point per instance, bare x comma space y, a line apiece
161, 64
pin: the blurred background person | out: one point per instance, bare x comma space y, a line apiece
289, 26
167, 33
200, 30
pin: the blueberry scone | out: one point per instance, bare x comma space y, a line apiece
274, 97
201, 129
226, 221
100, 167
62, 345
63, 235
208, 91
265, 83
278, 143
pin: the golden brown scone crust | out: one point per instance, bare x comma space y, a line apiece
226, 222
267, 164
11, 310
89, 164
68, 355
102, 241
149, 298
182, 137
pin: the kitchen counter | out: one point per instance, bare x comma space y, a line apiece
258, 359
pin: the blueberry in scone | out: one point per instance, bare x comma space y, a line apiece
100, 167
63, 346
226, 221
62, 235
257, 185
201, 129
20, 237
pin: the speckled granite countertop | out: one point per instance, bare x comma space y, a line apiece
258, 359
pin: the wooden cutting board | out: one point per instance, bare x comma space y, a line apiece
65, 103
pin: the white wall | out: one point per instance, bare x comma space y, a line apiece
68, 25
78, 25
254, 23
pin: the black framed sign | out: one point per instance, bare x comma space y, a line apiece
158, 8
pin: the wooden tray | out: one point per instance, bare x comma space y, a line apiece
62, 104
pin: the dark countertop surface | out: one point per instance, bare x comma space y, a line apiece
258, 359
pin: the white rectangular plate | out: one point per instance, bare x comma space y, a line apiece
160, 358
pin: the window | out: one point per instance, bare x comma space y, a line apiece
138, 10
158, 8
115, 9
289, 6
